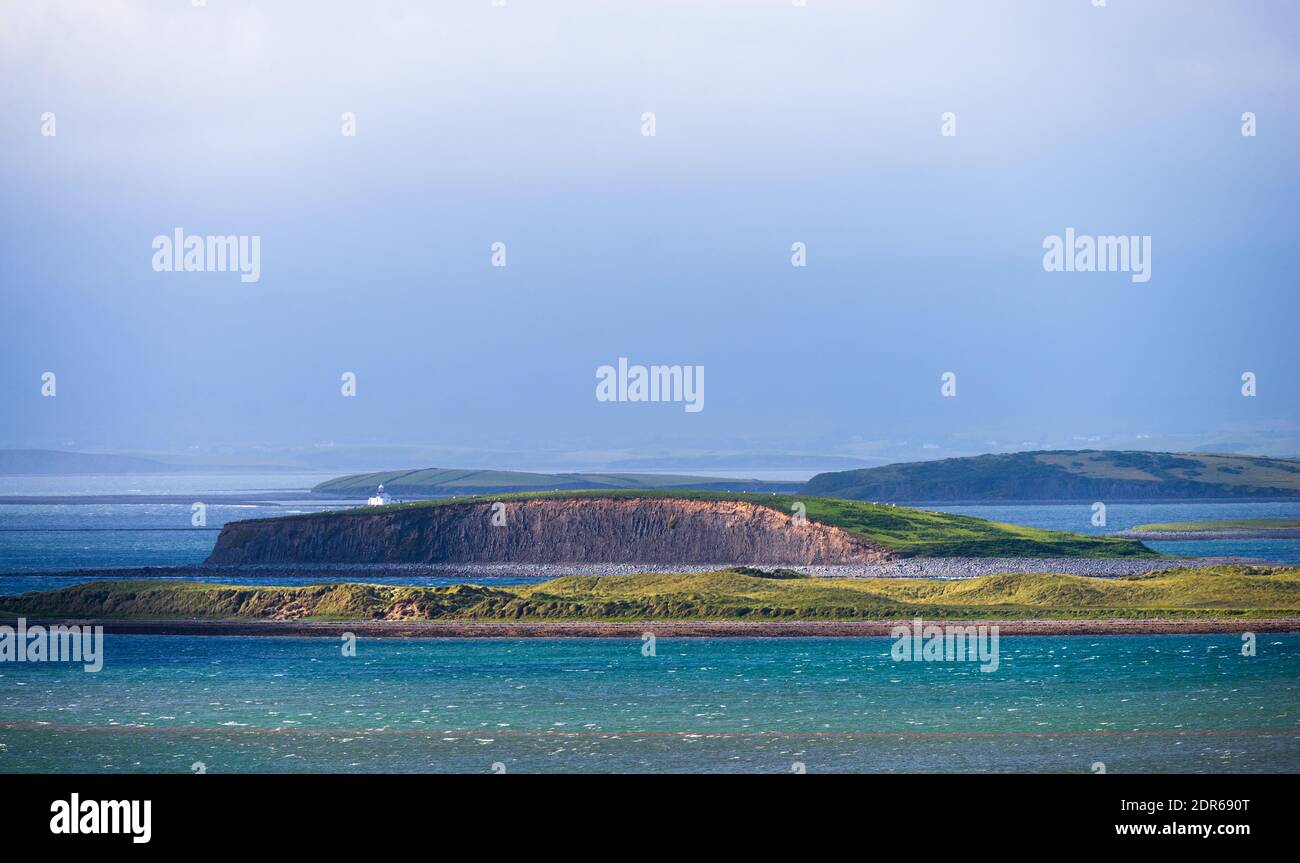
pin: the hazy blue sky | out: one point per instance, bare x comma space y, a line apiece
775, 124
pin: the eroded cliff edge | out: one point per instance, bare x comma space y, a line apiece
547, 531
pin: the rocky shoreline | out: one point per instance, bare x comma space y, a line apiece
916, 567
974, 567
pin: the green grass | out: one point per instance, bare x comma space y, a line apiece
924, 533
1085, 475
912, 532
1221, 524
1225, 591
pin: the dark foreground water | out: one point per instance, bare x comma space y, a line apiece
1063, 704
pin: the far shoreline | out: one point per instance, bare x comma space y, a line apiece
659, 628
924, 568
1200, 535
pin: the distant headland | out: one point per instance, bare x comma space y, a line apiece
1069, 475
1040, 476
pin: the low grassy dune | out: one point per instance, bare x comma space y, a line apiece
736, 594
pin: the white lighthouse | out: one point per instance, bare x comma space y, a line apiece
380, 497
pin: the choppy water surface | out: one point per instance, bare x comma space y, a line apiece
1135, 703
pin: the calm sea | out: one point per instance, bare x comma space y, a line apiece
1060, 704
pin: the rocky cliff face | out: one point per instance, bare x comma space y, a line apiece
588, 530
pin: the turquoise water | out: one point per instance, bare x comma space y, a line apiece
1137, 704
1058, 704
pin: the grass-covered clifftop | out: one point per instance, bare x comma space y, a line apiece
1084, 475
1227, 591
891, 529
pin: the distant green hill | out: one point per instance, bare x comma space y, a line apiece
1058, 475
448, 482
47, 461
1084, 475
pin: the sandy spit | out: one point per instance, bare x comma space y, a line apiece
1179, 535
